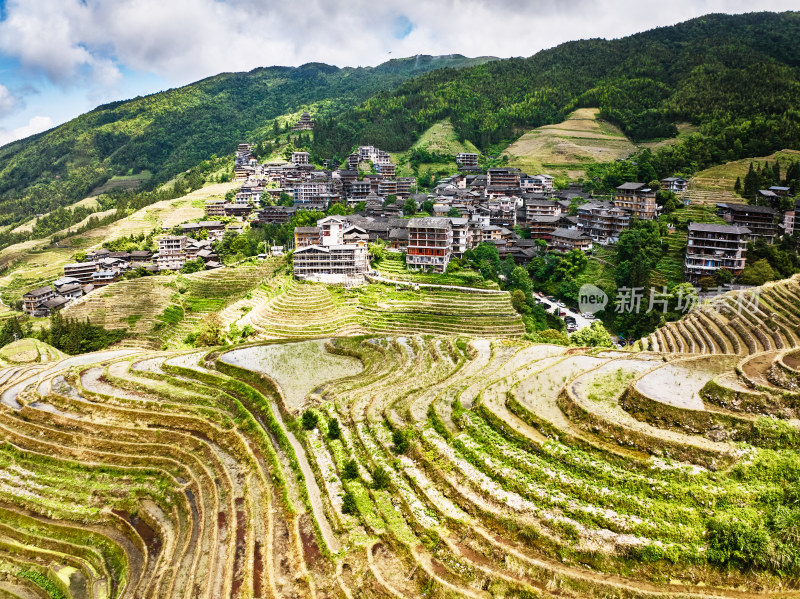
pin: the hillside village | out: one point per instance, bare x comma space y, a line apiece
518, 214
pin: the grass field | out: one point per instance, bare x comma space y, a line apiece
439, 137
566, 148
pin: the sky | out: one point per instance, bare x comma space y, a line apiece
61, 58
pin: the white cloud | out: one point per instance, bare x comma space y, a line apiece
37, 124
7, 101
88, 43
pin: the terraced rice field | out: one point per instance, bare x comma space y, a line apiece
738, 322
163, 309
567, 147
462, 467
299, 310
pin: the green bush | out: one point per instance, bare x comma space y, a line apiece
309, 420
334, 432
350, 469
736, 542
400, 440
349, 505
380, 478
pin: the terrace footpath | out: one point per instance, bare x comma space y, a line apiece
371, 278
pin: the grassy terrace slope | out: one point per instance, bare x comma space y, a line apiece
299, 310
567, 147
462, 468
715, 184
165, 308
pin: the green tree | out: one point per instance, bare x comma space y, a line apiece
285, 200
350, 470
334, 432
595, 335
191, 266
309, 420
410, 207
453, 213
400, 440
758, 273
349, 505
380, 478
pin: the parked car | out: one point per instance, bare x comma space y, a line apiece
562, 305
588, 316
572, 327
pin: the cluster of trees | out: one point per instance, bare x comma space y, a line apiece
768, 262
66, 334
765, 176
742, 95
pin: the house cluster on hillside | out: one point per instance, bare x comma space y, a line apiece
711, 247
310, 188
103, 267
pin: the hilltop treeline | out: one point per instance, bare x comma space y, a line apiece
735, 77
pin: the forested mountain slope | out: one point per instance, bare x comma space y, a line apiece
171, 131
736, 77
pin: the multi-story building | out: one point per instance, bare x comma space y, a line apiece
33, 301
542, 227
761, 220
501, 211
537, 184
430, 243
238, 210
359, 190
305, 193
712, 247
404, 186
570, 239
331, 230
540, 206
331, 262
171, 252
791, 219
306, 123
462, 236
300, 158
502, 181
306, 236
602, 222
467, 161
82, 271
637, 198
385, 170
674, 184
387, 187
215, 208
273, 215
